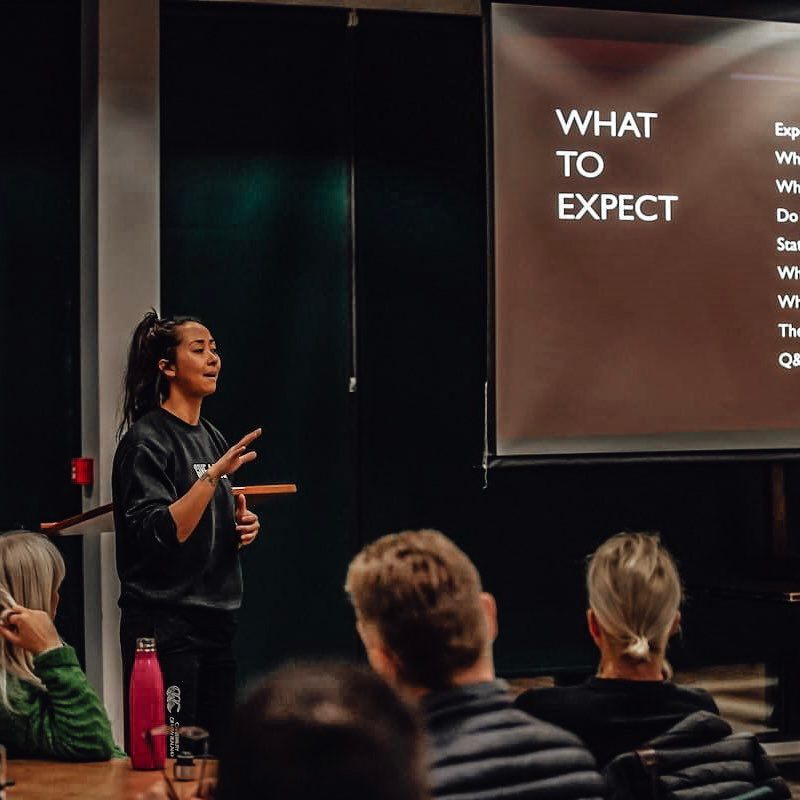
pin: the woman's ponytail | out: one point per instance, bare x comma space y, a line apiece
635, 592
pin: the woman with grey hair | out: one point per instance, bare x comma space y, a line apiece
634, 595
47, 708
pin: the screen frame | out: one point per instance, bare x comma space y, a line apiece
491, 458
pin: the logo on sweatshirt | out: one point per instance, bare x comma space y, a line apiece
173, 699
201, 468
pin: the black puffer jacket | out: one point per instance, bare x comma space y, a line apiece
698, 759
482, 748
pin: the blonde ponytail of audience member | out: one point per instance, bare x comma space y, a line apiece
31, 570
635, 593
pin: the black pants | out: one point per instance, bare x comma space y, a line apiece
195, 650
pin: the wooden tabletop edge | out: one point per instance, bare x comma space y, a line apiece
266, 488
74, 520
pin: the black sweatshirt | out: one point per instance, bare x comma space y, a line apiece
614, 716
156, 462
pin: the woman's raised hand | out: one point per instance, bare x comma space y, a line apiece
31, 630
236, 456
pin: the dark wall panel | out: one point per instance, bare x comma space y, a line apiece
255, 166
421, 259
40, 276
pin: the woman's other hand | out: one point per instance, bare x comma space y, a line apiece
247, 524
33, 631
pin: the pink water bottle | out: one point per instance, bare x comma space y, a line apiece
146, 704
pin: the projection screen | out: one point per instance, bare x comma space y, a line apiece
646, 200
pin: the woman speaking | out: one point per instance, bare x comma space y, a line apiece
178, 529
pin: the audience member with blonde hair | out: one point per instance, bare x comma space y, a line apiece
635, 595
428, 627
47, 708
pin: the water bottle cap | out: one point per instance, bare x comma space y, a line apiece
145, 645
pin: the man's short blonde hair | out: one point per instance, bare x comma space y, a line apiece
422, 593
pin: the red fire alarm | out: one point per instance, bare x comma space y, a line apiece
83, 471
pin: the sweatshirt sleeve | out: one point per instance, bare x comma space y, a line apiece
146, 492
67, 722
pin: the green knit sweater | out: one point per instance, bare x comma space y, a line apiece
66, 722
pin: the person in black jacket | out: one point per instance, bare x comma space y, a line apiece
697, 759
178, 529
428, 628
634, 608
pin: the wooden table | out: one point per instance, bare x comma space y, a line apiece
104, 780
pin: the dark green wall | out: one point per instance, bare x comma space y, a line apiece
265, 111
39, 275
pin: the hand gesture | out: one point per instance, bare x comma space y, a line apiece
31, 630
236, 456
247, 524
